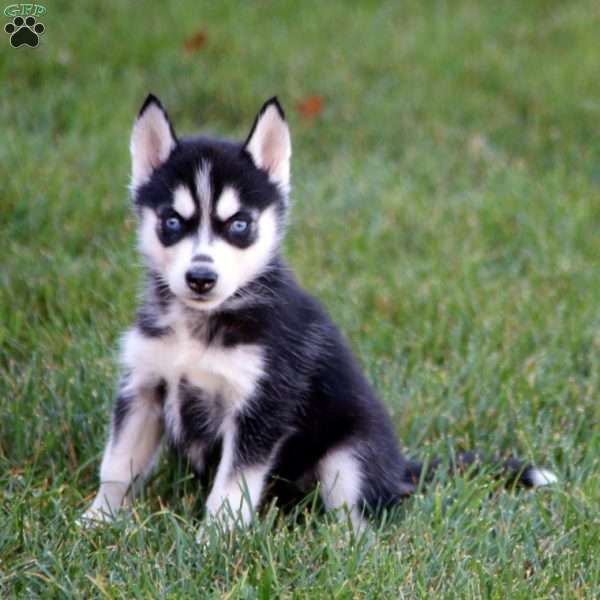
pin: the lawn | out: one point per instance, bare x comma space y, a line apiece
446, 211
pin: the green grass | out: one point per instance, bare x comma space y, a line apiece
446, 211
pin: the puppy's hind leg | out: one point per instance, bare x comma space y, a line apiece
134, 441
341, 479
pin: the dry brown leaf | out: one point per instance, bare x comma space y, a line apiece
195, 42
310, 107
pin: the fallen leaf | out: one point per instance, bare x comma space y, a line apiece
310, 107
195, 42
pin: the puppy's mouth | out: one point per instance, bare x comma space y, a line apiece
207, 297
201, 301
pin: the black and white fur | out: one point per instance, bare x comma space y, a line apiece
228, 349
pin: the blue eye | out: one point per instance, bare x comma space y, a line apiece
238, 226
172, 224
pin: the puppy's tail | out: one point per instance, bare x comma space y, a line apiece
513, 470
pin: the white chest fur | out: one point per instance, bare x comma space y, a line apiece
230, 374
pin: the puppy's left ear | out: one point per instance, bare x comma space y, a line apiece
269, 143
152, 140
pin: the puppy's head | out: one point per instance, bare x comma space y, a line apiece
211, 213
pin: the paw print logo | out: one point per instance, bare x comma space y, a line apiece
24, 32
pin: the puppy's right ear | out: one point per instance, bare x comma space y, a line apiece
152, 140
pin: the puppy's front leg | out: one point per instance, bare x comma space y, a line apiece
238, 485
134, 441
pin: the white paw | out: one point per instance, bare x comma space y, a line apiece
202, 537
101, 511
217, 526
106, 505
93, 517
541, 477
209, 532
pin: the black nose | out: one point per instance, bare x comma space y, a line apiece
201, 279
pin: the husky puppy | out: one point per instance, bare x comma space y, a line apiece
227, 349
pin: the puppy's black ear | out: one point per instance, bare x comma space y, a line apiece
269, 143
152, 140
